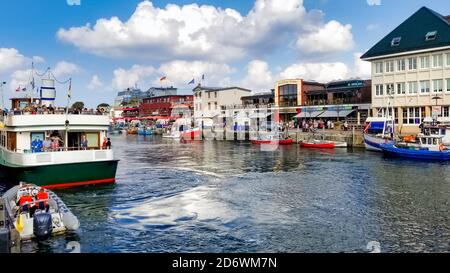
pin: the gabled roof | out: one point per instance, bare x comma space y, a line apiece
412, 33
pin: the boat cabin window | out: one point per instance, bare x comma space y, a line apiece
93, 140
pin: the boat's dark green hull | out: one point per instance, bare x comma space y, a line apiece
63, 175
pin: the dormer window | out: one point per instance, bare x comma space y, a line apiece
431, 36
396, 41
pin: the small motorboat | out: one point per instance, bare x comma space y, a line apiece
274, 141
145, 131
37, 217
428, 148
317, 144
132, 131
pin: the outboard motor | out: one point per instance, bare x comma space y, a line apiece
42, 226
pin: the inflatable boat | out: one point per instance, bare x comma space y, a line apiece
38, 213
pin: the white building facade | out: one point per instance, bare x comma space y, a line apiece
411, 71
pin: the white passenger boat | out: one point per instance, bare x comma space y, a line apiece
52, 147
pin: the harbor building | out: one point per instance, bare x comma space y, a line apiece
209, 101
259, 99
167, 106
297, 98
411, 71
137, 94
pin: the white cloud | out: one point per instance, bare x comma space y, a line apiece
320, 72
64, 68
200, 32
330, 38
95, 83
10, 59
20, 78
362, 69
73, 2
137, 74
374, 2
38, 59
179, 73
259, 78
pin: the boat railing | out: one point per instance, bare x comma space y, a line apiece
54, 112
61, 149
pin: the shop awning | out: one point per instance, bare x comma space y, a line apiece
335, 114
308, 114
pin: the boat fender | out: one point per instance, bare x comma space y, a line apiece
70, 221
42, 226
441, 147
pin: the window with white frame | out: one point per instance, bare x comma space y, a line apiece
401, 88
412, 87
389, 66
437, 60
448, 59
424, 87
448, 85
390, 89
209, 105
412, 63
437, 86
379, 67
425, 62
413, 115
401, 65
379, 90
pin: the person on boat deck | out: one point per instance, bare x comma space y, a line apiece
25, 203
105, 141
42, 197
55, 144
47, 145
83, 142
108, 144
36, 145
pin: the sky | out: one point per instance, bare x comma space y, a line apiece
109, 45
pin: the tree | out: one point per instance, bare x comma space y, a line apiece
103, 105
79, 105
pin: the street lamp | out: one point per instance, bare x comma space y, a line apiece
436, 98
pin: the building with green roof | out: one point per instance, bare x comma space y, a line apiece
411, 71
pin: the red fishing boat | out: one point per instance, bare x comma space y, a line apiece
317, 144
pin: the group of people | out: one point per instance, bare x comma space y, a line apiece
52, 144
48, 145
314, 124
29, 203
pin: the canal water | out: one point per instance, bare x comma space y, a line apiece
233, 197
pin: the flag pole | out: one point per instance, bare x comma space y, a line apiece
69, 95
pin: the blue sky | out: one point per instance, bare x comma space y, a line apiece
245, 43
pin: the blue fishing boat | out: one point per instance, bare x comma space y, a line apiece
428, 148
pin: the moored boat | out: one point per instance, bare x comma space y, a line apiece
428, 148
54, 147
38, 213
317, 144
